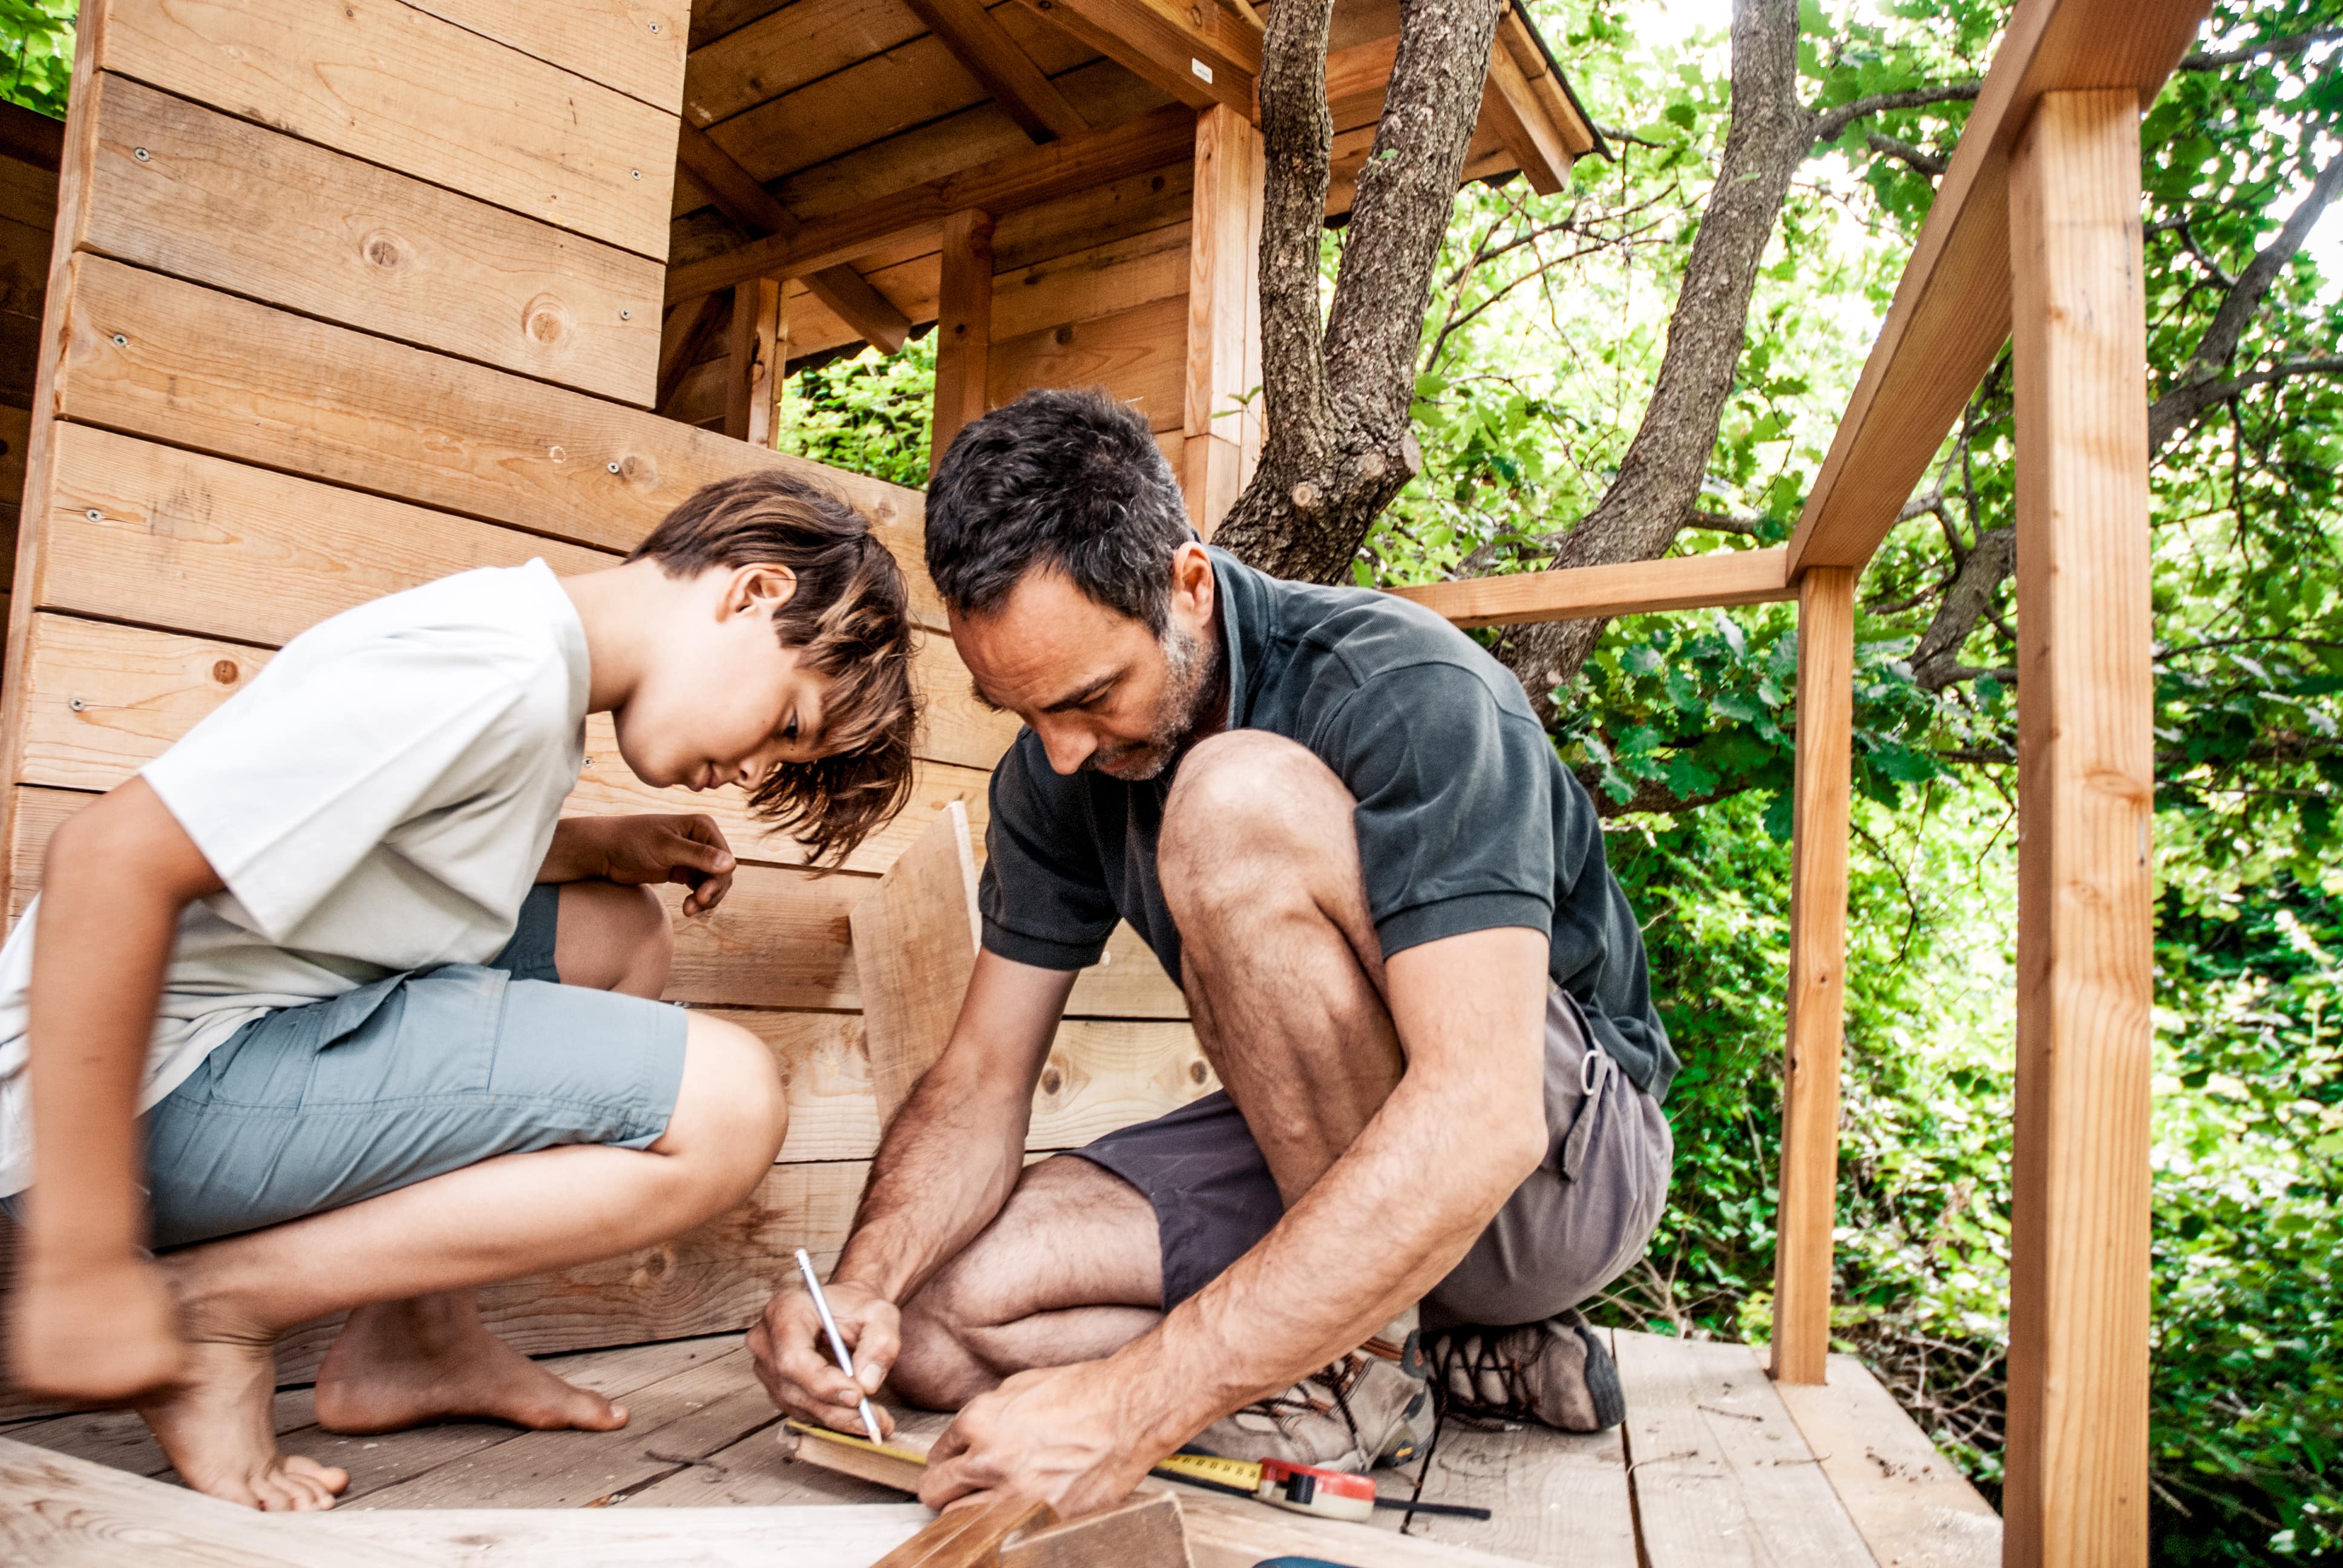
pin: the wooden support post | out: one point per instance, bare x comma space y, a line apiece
752, 396
963, 327
2077, 1488
1222, 428
1817, 1000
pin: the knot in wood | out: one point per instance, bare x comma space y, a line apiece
225, 671
1305, 497
384, 249
1053, 1080
1198, 1072
546, 319
1371, 466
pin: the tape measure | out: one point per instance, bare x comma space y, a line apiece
1300, 1488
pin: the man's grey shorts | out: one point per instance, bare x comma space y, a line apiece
1577, 1223
312, 1108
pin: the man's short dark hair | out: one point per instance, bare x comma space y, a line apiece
1065, 479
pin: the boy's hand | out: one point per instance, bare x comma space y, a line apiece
792, 1353
96, 1333
690, 849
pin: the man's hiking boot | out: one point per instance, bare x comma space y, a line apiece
1363, 1410
1556, 1373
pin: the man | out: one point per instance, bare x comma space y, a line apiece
1336, 823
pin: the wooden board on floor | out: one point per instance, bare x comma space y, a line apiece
674, 1422
61, 1512
120, 1439
155, 357
716, 1537
1555, 1498
1722, 1474
184, 190
389, 83
1912, 1505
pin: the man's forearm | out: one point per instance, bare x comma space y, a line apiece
1387, 1222
946, 1166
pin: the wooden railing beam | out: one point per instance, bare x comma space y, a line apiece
2076, 1486
1626, 587
1951, 314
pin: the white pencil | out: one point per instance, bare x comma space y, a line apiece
837, 1341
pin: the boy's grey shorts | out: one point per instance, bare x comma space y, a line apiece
1576, 1224
315, 1107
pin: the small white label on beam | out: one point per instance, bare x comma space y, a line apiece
1202, 70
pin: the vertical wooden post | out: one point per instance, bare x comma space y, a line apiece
1817, 1000
2077, 1488
963, 329
753, 394
1223, 437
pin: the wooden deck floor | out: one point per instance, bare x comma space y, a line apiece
1714, 1466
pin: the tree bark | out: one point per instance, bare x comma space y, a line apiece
1661, 476
1337, 445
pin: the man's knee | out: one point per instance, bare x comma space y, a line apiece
936, 1368
1247, 811
614, 937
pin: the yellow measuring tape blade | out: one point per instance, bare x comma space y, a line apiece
804, 1429
1241, 1474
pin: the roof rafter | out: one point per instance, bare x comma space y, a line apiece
982, 44
752, 206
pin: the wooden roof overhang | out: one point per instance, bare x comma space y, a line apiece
826, 141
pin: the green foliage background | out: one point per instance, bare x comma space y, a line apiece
1543, 341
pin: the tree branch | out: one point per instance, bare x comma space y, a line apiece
2294, 43
1831, 123
1660, 476
2219, 344
1919, 159
1935, 663
2184, 406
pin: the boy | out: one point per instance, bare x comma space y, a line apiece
308, 960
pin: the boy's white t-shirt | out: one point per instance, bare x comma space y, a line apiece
378, 798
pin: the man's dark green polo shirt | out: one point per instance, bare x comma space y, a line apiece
1466, 818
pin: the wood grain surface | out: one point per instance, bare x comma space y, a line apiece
188, 191
390, 84
2076, 1487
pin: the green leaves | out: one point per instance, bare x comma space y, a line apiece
37, 49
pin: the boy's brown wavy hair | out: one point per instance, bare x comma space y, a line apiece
849, 618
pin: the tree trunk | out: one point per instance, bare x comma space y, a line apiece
1660, 478
1337, 445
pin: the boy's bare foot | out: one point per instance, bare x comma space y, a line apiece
217, 1428
401, 1364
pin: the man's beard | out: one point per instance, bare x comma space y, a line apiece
1192, 686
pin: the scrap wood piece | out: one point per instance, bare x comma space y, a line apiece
57, 1512
972, 1536
1221, 1532
819, 1536
915, 943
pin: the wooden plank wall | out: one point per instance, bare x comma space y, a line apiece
30, 148
340, 302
